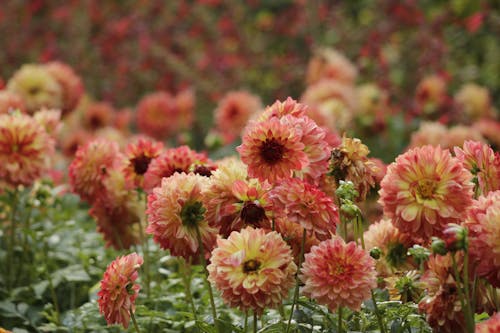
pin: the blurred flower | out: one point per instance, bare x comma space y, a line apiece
180, 159
458, 134
331, 64
474, 102
37, 87
98, 115
492, 325
425, 189
139, 155
119, 290
338, 274
50, 120
25, 149
71, 141
233, 112
10, 101
280, 109
184, 103
372, 105
175, 212
431, 96
483, 163
490, 129
484, 229
429, 133
157, 115
91, 165
306, 205
71, 85
455, 237
252, 269
272, 149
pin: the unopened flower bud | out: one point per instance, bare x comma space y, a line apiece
438, 246
375, 253
455, 237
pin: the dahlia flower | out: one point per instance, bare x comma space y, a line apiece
474, 101
184, 103
252, 269
429, 133
491, 325
306, 205
338, 274
175, 212
483, 163
10, 101
484, 232
431, 94
37, 87
98, 115
139, 156
180, 159
273, 150
424, 190
91, 165
157, 115
280, 109
71, 85
331, 64
119, 290
25, 148
233, 112
292, 233
490, 129
50, 120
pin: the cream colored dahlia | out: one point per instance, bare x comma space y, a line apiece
175, 212
306, 205
50, 119
119, 290
25, 148
338, 274
424, 190
273, 150
252, 269
474, 101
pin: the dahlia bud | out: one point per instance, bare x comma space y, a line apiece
455, 237
376, 253
438, 246
346, 191
419, 253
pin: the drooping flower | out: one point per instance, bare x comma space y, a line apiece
233, 112
252, 269
180, 159
91, 165
25, 148
306, 205
424, 190
273, 150
10, 101
157, 115
393, 244
338, 274
37, 87
118, 289
139, 156
71, 85
484, 234
491, 325
175, 212
483, 163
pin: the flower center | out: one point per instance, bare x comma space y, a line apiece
335, 269
141, 164
271, 151
250, 266
202, 170
425, 188
192, 213
252, 213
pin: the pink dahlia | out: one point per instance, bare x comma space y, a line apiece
292, 233
139, 156
98, 115
483, 163
180, 159
338, 274
491, 325
252, 269
273, 150
175, 212
280, 109
331, 64
50, 120
306, 205
233, 112
157, 115
71, 85
484, 234
119, 290
25, 149
10, 101
424, 190
91, 165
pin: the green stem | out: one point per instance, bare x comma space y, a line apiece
25, 244
377, 313
461, 296
134, 321
254, 322
467, 291
51, 285
339, 313
12, 240
186, 278
296, 292
245, 323
359, 223
204, 264
145, 250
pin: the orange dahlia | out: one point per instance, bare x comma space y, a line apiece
91, 165
272, 149
424, 190
119, 290
338, 274
71, 85
233, 112
157, 115
252, 269
139, 155
484, 234
25, 148
483, 163
180, 159
306, 205
491, 325
175, 212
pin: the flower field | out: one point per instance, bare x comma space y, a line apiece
250, 166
